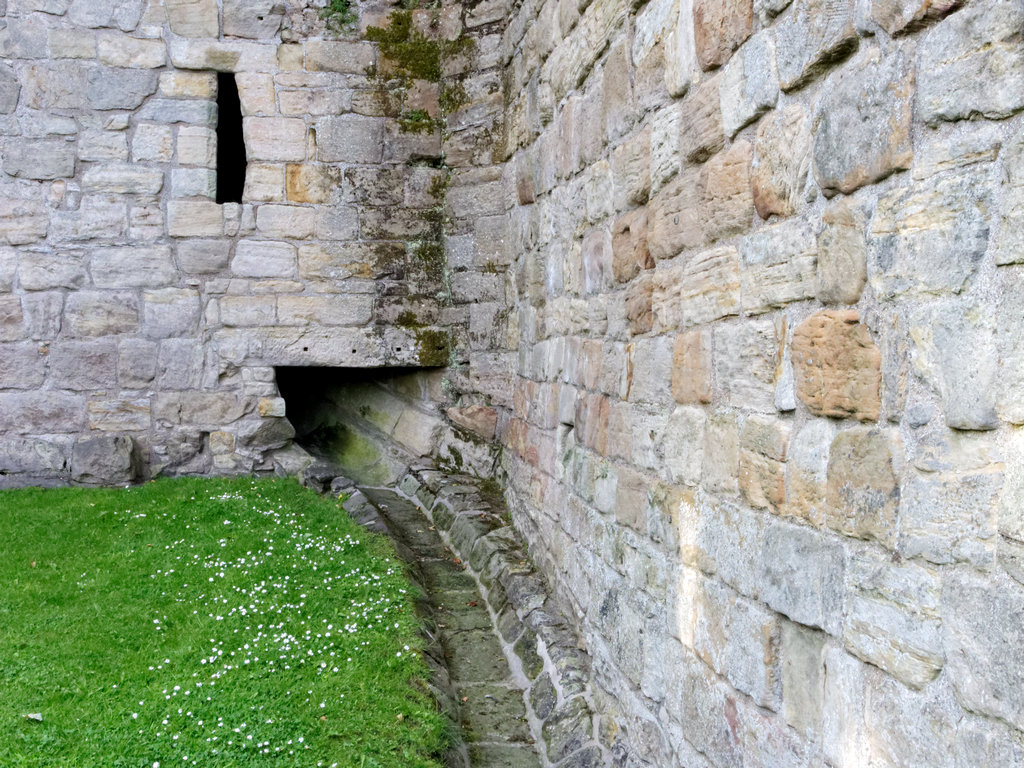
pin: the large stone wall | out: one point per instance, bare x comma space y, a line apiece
765, 434
140, 320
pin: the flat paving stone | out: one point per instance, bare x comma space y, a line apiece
446, 576
475, 656
494, 713
459, 617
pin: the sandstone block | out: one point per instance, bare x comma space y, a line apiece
119, 415
778, 266
682, 446
324, 310
681, 64
12, 319
136, 363
745, 364
837, 366
256, 93
764, 443
749, 85
200, 408
812, 35
116, 50
39, 158
1009, 245
701, 132
274, 138
189, 85
708, 288
928, 239
21, 365
191, 111
955, 354
84, 365
862, 123
896, 17
863, 489
807, 465
193, 18
727, 206
170, 312
103, 460
152, 144
288, 221
477, 419
72, 44
194, 218
264, 183
981, 629
42, 313
802, 652
691, 368
721, 454
781, 161
202, 257
135, 267
119, 88
100, 313
10, 90
665, 132
253, 19
122, 179
193, 182
39, 272
311, 183
339, 56
349, 139
640, 304
22, 221
243, 311
37, 412
223, 56
629, 246
719, 28
980, 43
255, 258
842, 253
804, 573
631, 170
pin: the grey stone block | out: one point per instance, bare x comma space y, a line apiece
103, 460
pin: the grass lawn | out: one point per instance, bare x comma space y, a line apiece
205, 622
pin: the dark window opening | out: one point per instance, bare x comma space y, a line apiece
230, 143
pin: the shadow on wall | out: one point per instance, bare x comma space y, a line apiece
370, 423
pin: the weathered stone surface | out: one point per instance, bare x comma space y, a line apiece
764, 444
477, 419
197, 146
39, 158
37, 412
727, 206
119, 88
674, 220
804, 572
350, 139
310, 183
1009, 245
981, 42
275, 138
928, 239
170, 312
807, 466
285, 221
701, 133
640, 304
862, 123
778, 266
10, 90
125, 179
666, 134
100, 313
102, 460
842, 253
629, 246
84, 365
896, 17
813, 34
954, 348
116, 50
691, 368
22, 365
749, 86
720, 27
682, 445
254, 19
981, 628
803, 677
194, 218
193, 18
324, 310
31, 455
22, 221
837, 366
863, 489
745, 363
264, 259
202, 256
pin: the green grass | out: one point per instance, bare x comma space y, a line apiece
210, 623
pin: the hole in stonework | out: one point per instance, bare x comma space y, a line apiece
305, 349
230, 141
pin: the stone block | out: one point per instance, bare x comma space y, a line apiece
264, 183
721, 454
193, 18
223, 56
170, 312
682, 446
727, 206
152, 143
339, 56
837, 366
629, 246
248, 311
197, 146
804, 575
191, 111
72, 44
617, 106
189, 85
681, 64
117, 50
102, 460
895, 17
256, 93
193, 182
22, 221
719, 28
255, 258
40, 159
842, 253
778, 266
701, 132
981, 43
928, 239
863, 491
665, 133
84, 365
311, 183
100, 313
1009, 243
132, 267
285, 221
10, 91
631, 170
119, 88
764, 443
200, 408
708, 289
119, 415
203, 257
349, 139
277, 139
955, 353
22, 365
253, 19
981, 639
12, 319
811, 36
597, 261
749, 85
194, 218
136, 363
745, 364
122, 179
324, 310
862, 123
32, 456
42, 314
640, 304
691, 368
37, 412
674, 221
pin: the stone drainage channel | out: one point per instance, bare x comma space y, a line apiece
507, 669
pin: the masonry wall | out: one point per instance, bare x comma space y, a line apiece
765, 438
140, 321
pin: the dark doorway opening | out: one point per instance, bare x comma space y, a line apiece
230, 142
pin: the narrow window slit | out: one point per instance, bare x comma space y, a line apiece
230, 142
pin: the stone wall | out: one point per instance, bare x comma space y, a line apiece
140, 321
765, 434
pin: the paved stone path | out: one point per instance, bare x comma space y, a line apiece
484, 691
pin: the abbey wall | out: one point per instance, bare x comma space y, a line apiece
727, 294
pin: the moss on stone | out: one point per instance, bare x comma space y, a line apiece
413, 52
417, 121
433, 347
